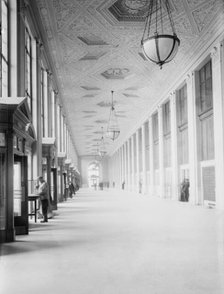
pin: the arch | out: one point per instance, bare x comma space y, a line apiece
93, 174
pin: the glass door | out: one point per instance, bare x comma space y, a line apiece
20, 195
17, 193
2, 190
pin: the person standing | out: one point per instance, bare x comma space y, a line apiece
43, 192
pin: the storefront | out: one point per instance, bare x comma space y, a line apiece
16, 138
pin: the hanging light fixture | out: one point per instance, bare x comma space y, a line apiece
102, 148
159, 41
113, 130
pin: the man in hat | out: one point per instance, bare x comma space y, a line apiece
43, 192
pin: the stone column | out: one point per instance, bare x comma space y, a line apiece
129, 165
217, 56
174, 157
161, 153
192, 139
151, 161
122, 164
125, 166
35, 117
14, 20
132, 163
45, 104
137, 161
143, 160
120, 168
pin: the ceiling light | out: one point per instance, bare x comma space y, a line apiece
159, 41
102, 149
113, 130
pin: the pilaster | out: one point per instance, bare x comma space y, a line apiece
143, 160
192, 140
161, 153
132, 163
128, 165
174, 158
217, 56
151, 161
137, 161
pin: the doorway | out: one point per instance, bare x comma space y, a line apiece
20, 196
93, 174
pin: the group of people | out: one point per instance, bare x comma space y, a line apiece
43, 192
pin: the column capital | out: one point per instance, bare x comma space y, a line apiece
49, 72
216, 54
159, 107
189, 78
39, 43
172, 97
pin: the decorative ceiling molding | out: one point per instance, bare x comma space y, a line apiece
142, 56
95, 47
92, 40
92, 56
104, 104
88, 96
101, 121
127, 10
130, 95
89, 111
116, 73
89, 88
88, 116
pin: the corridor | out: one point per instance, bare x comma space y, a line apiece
115, 242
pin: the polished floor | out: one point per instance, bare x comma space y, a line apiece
114, 242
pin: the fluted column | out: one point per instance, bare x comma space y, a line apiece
193, 156
132, 163
174, 158
137, 160
128, 165
143, 160
120, 168
151, 160
161, 153
14, 19
122, 163
218, 108
45, 105
125, 165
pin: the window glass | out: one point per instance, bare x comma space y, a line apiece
4, 48
28, 67
205, 88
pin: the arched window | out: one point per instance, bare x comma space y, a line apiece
93, 174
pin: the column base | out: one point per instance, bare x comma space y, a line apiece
7, 236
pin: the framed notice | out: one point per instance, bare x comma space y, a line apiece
2, 140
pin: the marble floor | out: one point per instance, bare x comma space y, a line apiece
114, 242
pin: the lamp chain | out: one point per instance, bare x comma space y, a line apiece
170, 17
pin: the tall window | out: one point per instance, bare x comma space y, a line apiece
28, 67
42, 101
205, 81
4, 48
205, 111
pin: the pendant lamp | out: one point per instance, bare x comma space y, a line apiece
159, 41
113, 130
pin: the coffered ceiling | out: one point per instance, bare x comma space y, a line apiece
95, 47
